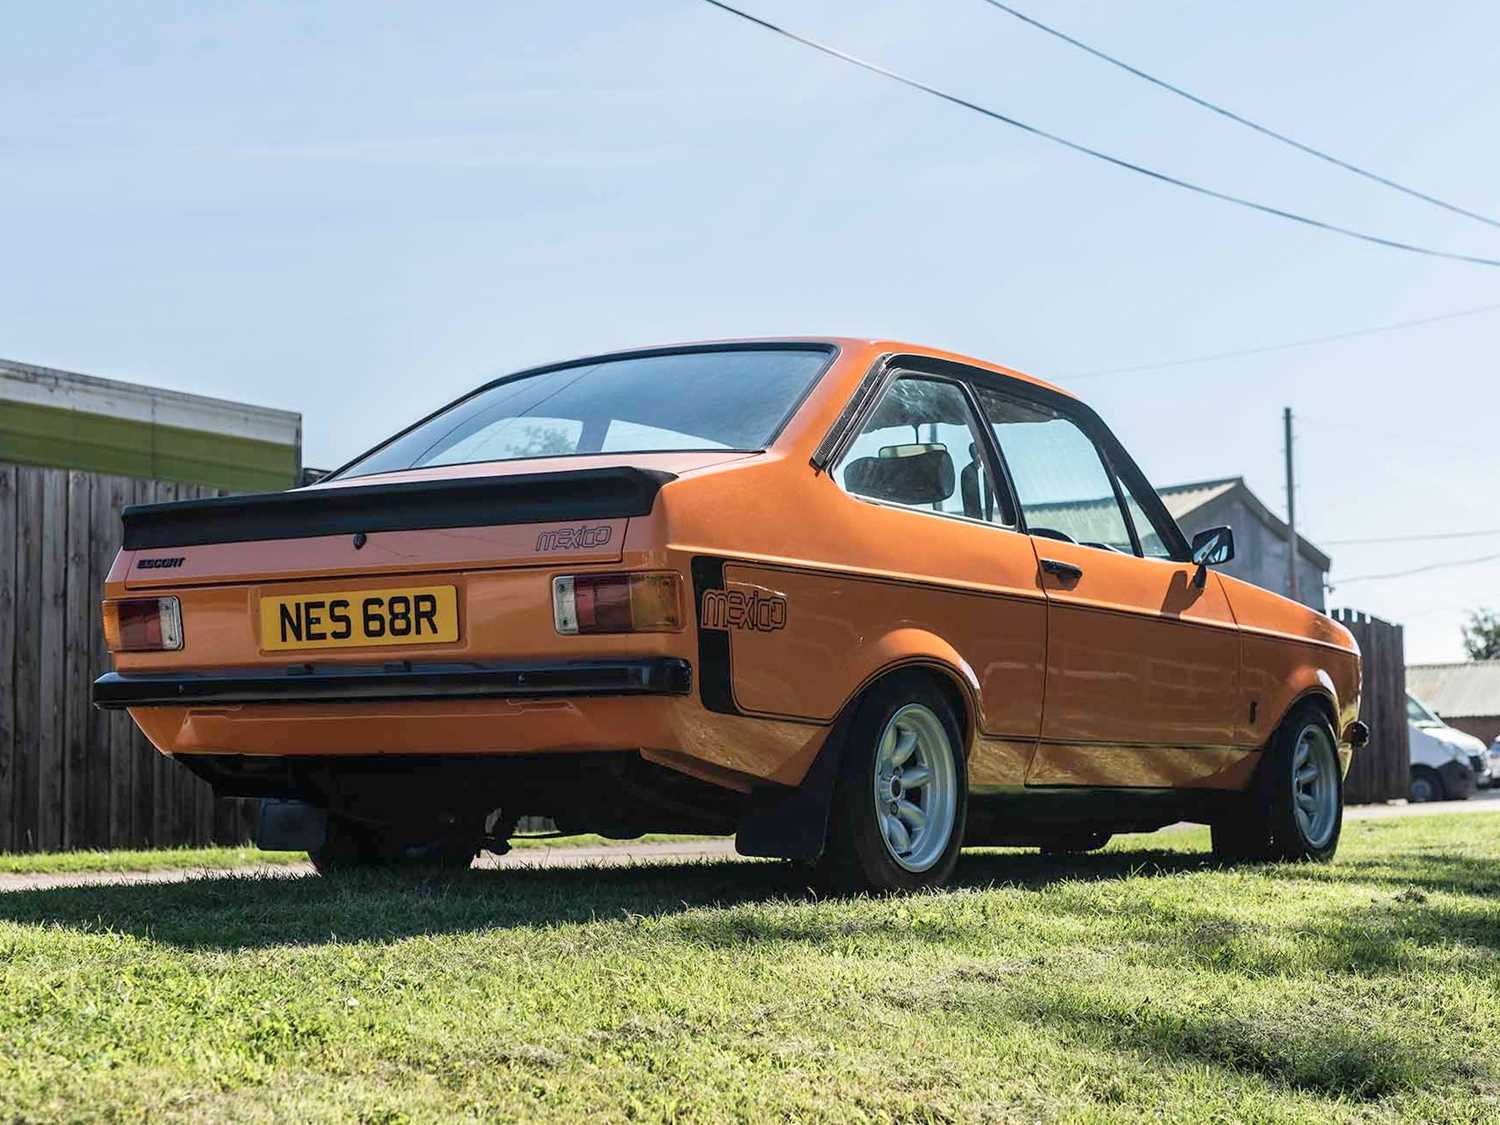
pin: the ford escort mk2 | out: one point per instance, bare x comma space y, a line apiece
859, 603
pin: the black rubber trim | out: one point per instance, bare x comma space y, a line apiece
364, 683
467, 502
860, 402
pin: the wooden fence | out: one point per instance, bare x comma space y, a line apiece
1382, 770
72, 776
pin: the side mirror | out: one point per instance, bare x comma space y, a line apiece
1213, 546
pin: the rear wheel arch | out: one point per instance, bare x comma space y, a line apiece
795, 825
955, 680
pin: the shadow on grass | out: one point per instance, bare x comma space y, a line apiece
1316, 1049
1434, 869
242, 911
249, 911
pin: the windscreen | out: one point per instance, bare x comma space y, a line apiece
734, 399
1419, 712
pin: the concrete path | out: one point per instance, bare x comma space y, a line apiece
612, 855
615, 855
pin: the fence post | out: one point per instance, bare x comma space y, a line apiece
1382, 770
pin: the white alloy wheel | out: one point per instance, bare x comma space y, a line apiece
916, 787
1315, 785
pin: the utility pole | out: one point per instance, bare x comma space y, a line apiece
1291, 511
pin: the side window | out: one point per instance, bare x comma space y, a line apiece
1154, 545
1064, 488
921, 449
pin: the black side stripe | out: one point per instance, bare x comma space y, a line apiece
715, 676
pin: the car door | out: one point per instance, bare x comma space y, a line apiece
1142, 649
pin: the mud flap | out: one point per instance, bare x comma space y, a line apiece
290, 826
792, 823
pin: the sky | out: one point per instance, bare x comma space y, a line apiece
359, 211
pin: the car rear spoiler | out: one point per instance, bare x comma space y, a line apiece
466, 502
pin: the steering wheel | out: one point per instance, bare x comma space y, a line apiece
1052, 533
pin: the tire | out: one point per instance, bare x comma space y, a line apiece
1241, 838
1295, 808
347, 846
351, 846
1427, 785
1076, 844
892, 828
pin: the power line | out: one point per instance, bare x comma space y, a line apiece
1412, 538
1416, 570
1310, 341
1118, 162
1245, 121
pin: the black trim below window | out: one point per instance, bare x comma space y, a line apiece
400, 680
480, 501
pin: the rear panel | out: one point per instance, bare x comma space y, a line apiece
504, 612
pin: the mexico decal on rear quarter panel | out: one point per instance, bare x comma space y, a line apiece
738, 609
419, 615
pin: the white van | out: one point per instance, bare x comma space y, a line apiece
1446, 764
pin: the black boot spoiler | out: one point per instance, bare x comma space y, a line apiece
466, 502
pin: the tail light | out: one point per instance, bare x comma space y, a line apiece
143, 625
617, 603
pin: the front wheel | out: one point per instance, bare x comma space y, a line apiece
1426, 785
900, 803
1295, 809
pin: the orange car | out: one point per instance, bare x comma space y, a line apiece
856, 601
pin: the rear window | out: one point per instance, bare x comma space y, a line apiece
733, 399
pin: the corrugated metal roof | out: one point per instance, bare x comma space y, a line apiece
1457, 691
65, 420
1181, 499
68, 390
1184, 499
1087, 521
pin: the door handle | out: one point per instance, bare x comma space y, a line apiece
1062, 571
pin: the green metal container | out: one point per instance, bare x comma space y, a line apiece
65, 420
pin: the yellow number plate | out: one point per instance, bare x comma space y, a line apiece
422, 615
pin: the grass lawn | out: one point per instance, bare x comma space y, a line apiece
156, 859
227, 859
1139, 983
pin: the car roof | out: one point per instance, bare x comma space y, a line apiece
870, 345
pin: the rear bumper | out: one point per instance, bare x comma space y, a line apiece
393, 682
